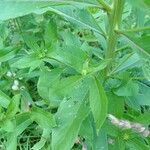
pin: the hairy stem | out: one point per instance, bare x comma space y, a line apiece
105, 5
146, 28
114, 24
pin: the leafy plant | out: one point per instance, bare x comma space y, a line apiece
74, 74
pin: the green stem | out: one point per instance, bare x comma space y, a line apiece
114, 24
147, 28
105, 6
122, 48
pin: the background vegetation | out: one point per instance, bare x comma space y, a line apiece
74, 74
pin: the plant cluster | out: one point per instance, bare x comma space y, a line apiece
74, 74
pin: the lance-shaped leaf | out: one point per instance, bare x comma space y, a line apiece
98, 102
52, 87
20, 8
43, 118
27, 61
10, 9
17, 125
127, 62
39, 145
4, 100
46, 81
17, 8
7, 53
23, 120
11, 141
71, 56
70, 116
142, 4
139, 44
78, 16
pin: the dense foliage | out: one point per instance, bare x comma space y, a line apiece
74, 74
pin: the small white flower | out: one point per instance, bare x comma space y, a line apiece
111, 141
9, 74
15, 88
14, 74
16, 82
15, 85
20, 78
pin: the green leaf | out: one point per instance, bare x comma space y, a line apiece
87, 131
142, 4
139, 44
144, 118
129, 89
128, 62
133, 103
12, 141
7, 125
52, 87
71, 56
65, 78
46, 81
77, 16
43, 118
103, 64
16, 127
70, 115
7, 54
27, 62
116, 102
137, 144
39, 145
71, 39
50, 35
31, 42
13, 106
18, 8
23, 120
144, 93
98, 102
4, 99
101, 142
80, 3
146, 68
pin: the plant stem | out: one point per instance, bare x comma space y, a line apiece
114, 23
105, 5
147, 28
122, 48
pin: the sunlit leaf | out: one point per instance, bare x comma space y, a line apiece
43, 118
65, 134
4, 99
42, 141
98, 102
